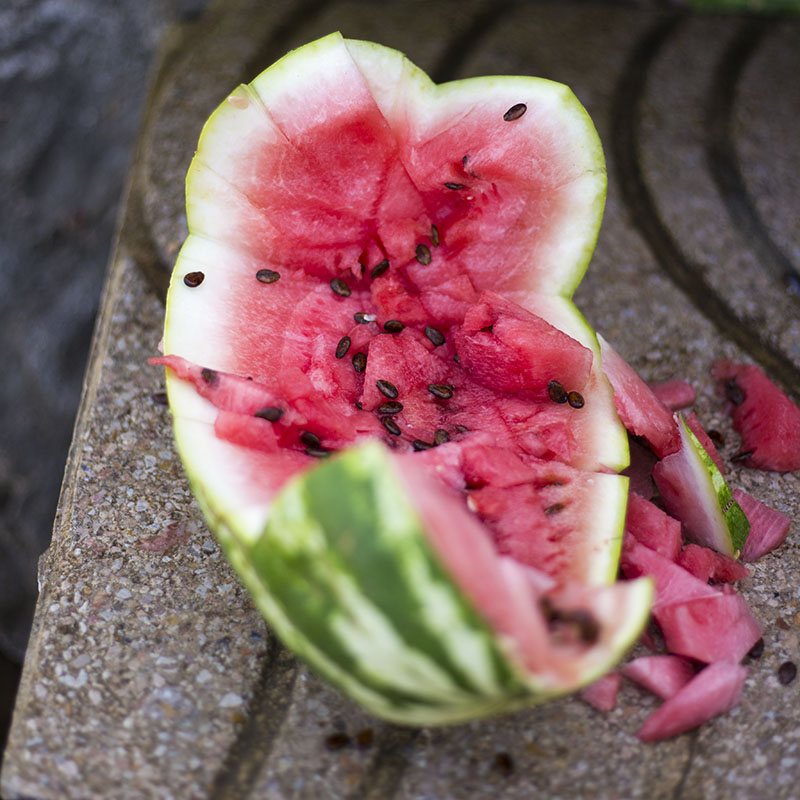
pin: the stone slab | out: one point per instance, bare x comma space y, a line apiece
149, 673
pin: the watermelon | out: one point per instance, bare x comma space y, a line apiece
390, 410
766, 418
663, 675
768, 526
713, 691
675, 394
694, 490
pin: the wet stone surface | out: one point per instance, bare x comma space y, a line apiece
151, 675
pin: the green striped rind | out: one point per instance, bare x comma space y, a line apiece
735, 519
355, 589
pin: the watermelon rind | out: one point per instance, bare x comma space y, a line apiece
325, 613
695, 491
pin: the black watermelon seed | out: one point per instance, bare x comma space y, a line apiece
488, 329
456, 187
360, 362
575, 399
434, 236
310, 439
462, 428
159, 398
387, 389
418, 445
558, 394
787, 672
317, 452
209, 376
343, 347
269, 413
390, 407
364, 738
440, 390
337, 741
192, 279
742, 456
456, 359
391, 425
554, 509
363, 268
379, 269
441, 436
340, 287
734, 392
515, 112
757, 650
393, 326
358, 404
362, 318
503, 764
423, 254
435, 336
267, 276
464, 160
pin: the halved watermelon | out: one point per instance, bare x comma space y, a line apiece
390, 410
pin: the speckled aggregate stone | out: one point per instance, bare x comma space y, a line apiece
149, 667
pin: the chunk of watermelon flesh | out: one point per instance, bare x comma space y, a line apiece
673, 583
713, 691
663, 675
709, 565
719, 627
768, 526
651, 526
640, 410
675, 394
765, 417
508, 349
695, 492
602, 693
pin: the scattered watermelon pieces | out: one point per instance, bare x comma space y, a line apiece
768, 421
675, 394
768, 527
713, 691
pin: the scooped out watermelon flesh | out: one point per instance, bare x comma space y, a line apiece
381, 266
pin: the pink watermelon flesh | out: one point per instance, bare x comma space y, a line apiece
768, 421
716, 628
640, 410
708, 565
708, 445
673, 583
640, 470
602, 694
713, 691
675, 394
768, 527
651, 526
663, 675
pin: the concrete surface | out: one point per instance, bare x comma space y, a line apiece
149, 673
